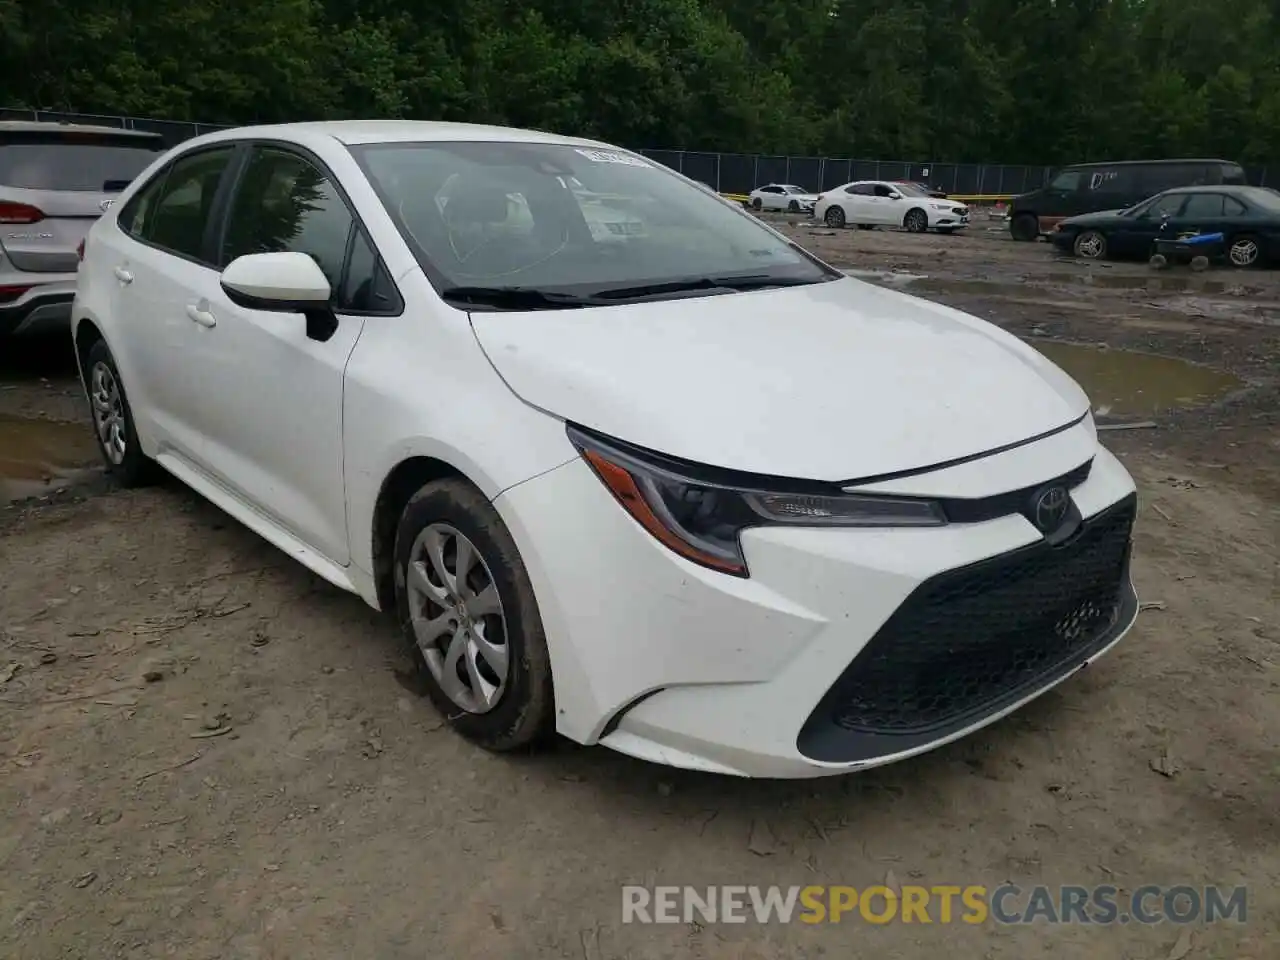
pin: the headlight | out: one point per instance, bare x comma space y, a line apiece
943, 206
699, 512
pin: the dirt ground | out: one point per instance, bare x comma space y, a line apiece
206, 752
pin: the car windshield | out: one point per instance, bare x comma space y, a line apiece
1265, 197
792, 188
80, 163
1155, 206
912, 189
556, 217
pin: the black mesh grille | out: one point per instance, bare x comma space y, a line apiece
969, 641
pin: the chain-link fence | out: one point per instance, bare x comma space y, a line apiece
729, 173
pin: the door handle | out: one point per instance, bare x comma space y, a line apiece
202, 317
123, 275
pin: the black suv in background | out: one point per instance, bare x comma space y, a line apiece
1094, 187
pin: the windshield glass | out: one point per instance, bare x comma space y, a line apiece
563, 218
911, 189
1265, 197
1156, 206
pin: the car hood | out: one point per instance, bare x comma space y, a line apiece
833, 381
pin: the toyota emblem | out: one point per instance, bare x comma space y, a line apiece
1051, 508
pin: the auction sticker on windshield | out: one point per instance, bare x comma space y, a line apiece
608, 156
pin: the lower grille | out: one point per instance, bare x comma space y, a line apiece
971, 641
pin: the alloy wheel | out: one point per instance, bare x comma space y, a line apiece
1090, 245
1244, 252
917, 222
834, 217
108, 413
457, 616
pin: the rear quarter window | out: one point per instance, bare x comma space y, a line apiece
63, 163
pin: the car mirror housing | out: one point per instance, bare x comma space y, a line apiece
285, 282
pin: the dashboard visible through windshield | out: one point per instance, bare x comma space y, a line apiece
575, 223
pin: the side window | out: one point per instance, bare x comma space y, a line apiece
1233, 174
1201, 206
367, 287
176, 220
882, 190
1231, 207
861, 189
136, 215
1068, 181
283, 204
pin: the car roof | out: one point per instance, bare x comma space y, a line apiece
1219, 188
1145, 163
40, 126
353, 132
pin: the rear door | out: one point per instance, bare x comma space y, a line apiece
55, 184
159, 258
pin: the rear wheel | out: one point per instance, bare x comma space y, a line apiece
1244, 251
1090, 244
916, 221
1024, 227
756, 203
113, 424
467, 610
834, 216
793, 206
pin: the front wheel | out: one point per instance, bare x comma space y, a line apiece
916, 221
756, 203
834, 217
793, 206
1090, 244
468, 613
1244, 251
113, 423
1024, 227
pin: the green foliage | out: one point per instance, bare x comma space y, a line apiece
1016, 81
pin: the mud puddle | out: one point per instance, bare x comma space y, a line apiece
39, 456
1160, 282
1122, 383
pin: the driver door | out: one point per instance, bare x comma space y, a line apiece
1137, 234
273, 427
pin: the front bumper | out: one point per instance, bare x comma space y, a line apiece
44, 308
837, 654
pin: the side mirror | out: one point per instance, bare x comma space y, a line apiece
894, 195
283, 283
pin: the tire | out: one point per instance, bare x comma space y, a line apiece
1025, 227
112, 419
1244, 251
1090, 245
518, 710
834, 216
756, 203
916, 221
793, 206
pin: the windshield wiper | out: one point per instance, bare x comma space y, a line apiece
734, 283
516, 298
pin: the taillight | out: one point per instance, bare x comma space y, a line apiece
9, 294
80, 251
19, 213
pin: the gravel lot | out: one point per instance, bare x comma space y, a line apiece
207, 752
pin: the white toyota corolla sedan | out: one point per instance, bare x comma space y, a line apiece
689, 493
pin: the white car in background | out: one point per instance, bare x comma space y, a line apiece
879, 203
782, 196
700, 498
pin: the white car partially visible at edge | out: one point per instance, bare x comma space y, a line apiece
693, 495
